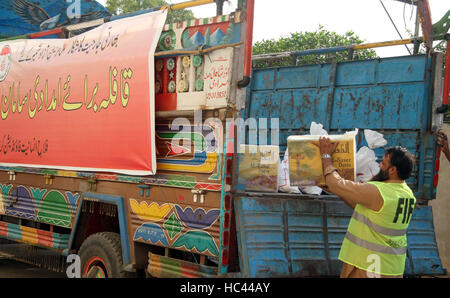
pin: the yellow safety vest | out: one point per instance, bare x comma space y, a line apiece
376, 240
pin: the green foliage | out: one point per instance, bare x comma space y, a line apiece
126, 6
298, 41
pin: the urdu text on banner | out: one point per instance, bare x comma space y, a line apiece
85, 103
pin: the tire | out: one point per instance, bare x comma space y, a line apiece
101, 256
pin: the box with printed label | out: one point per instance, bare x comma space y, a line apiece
305, 162
258, 167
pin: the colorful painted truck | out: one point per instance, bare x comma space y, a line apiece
119, 146
92, 159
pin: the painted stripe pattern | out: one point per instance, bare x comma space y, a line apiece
33, 236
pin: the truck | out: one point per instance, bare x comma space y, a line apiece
181, 209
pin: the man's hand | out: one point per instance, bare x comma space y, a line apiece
326, 146
442, 140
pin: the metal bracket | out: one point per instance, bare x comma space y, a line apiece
197, 192
145, 188
12, 175
92, 184
48, 179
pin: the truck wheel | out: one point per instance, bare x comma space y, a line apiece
101, 256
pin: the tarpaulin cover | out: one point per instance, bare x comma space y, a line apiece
19, 17
83, 103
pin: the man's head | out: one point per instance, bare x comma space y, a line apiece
397, 164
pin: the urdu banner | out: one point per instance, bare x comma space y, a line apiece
85, 103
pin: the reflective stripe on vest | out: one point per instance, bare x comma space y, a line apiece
377, 228
375, 247
381, 233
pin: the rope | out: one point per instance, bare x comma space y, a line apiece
394, 25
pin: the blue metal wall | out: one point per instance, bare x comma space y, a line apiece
287, 236
391, 95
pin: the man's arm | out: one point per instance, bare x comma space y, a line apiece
353, 192
350, 192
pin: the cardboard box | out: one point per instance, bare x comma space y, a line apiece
258, 167
305, 162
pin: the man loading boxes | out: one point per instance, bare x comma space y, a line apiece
375, 243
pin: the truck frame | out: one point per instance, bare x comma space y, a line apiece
193, 218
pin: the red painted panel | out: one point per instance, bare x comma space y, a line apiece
45, 238
3, 229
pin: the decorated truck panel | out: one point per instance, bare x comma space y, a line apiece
130, 152
129, 159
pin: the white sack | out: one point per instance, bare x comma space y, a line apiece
374, 139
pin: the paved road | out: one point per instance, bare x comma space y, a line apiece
14, 269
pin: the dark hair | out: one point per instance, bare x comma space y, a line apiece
402, 160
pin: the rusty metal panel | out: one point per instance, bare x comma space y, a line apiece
293, 236
264, 79
289, 237
379, 107
295, 108
379, 94
294, 78
423, 256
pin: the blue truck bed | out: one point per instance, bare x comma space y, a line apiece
300, 235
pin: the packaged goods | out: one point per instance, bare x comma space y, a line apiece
366, 164
374, 139
258, 167
284, 185
305, 162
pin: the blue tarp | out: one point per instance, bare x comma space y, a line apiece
19, 17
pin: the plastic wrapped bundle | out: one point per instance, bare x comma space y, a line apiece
258, 167
305, 162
